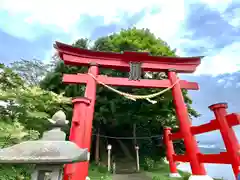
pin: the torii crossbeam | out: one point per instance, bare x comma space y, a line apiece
80, 57
116, 81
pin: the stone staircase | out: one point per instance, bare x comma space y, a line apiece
136, 176
126, 170
124, 166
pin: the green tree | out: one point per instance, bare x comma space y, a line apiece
113, 111
24, 111
31, 71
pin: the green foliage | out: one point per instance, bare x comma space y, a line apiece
31, 71
15, 172
186, 176
149, 163
83, 43
24, 111
161, 171
102, 169
99, 172
156, 178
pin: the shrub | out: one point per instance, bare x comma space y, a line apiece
149, 163
102, 169
156, 178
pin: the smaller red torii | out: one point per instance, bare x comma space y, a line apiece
232, 120
223, 122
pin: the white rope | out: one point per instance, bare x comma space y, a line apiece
130, 137
135, 97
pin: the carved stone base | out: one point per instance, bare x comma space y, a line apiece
200, 177
47, 172
175, 175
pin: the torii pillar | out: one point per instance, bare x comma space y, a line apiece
192, 151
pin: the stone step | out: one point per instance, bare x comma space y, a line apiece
136, 176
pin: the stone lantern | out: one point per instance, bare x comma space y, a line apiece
48, 154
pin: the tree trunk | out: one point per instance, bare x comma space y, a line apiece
97, 146
134, 135
134, 146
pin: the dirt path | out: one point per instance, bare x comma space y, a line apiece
134, 176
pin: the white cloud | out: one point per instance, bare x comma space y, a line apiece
236, 20
167, 23
238, 85
226, 61
65, 14
220, 5
168, 26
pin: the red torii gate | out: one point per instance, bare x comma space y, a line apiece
81, 128
222, 122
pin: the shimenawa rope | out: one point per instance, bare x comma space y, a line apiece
130, 137
135, 97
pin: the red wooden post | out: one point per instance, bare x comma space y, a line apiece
228, 135
170, 152
185, 127
90, 93
77, 132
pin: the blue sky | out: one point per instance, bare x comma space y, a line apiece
201, 27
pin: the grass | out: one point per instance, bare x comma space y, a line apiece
98, 173
165, 176
161, 172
